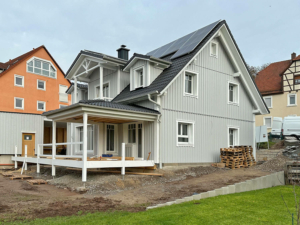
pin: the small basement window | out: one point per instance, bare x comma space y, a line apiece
41, 85
233, 93
41, 106
214, 49
233, 136
268, 101
268, 122
19, 81
19, 103
292, 100
191, 84
185, 133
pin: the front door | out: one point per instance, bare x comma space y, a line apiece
29, 140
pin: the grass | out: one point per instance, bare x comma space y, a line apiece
255, 207
264, 145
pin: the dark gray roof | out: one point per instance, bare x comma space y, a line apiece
93, 54
168, 74
114, 105
79, 85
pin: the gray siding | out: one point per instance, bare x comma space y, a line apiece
154, 73
149, 139
124, 80
13, 125
210, 111
108, 76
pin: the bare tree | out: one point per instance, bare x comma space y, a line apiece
255, 69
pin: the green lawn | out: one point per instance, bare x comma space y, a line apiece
256, 207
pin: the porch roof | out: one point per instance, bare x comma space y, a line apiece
102, 111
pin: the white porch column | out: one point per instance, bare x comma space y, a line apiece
123, 159
16, 155
101, 82
25, 157
38, 159
84, 154
157, 158
75, 90
53, 146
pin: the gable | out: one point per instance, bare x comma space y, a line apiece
290, 77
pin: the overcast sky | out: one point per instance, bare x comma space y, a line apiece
265, 31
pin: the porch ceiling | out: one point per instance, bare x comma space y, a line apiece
97, 119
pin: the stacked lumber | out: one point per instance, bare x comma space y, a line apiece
237, 157
232, 157
249, 159
36, 182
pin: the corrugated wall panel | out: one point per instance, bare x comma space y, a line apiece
149, 139
13, 124
210, 111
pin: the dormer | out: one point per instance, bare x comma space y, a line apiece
144, 70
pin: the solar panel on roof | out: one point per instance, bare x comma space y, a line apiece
183, 45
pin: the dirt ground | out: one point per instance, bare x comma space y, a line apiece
19, 200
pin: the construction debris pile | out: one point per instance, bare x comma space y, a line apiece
237, 157
292, 152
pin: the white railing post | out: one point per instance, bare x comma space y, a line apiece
53, 146
84, 154
16, 155
25, 157
123, 159
38, 159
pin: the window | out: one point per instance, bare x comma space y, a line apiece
19, 103
131, 133
41, 85
292, 100
41, 67
185, 133
191, 84
268, 122
63, 96
62, 106
233, 136
19, 81
214, 49
90, 137
297, 79
233, 93
41, 106
106, 90
110, 138
27, 137
268, 101
98, 92
138, 77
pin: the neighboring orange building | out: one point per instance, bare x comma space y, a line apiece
33, 81
30, 85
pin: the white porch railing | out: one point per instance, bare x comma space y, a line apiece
56, 144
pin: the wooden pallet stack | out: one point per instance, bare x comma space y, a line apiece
232, 157
237, 157
249, 159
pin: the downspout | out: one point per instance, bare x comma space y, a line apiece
156, 103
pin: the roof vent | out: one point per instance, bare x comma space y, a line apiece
123, 52
293, 55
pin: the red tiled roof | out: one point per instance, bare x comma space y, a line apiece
269, 80
297, 58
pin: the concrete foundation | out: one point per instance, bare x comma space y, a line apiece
272, 180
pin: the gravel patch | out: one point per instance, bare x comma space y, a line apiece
274, 165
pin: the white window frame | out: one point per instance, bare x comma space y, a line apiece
217, 49
237, 138
62, 106
77, 138
237, 94
109, 94
268, 117
37, 83
22, 103
43, 110
195, 78
51, 64
288, 100
190, 136
271, 97
115, 139
97, 97
19, 76
136, 77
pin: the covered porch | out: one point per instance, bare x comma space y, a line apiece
100, 130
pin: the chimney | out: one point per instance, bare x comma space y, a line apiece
293, 55
123, 52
